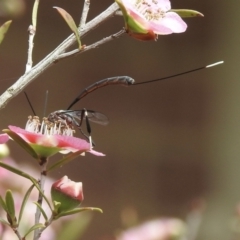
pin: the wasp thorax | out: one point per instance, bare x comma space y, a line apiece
49, 126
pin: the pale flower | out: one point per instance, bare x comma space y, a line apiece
158, 229
145, 19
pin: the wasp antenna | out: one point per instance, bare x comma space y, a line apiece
182, 73
45, 103
214, 64
30, 104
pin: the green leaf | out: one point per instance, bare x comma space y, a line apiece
24, 202
21, 142
75, 228
56, 205
10, 204
65, 160
33, 180
34, 13
42, 211
4, 29
77, 210
70, 22
3, 204
4, 222
34, 227
186, 13
16, 171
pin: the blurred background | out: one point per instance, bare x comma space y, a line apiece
168, 143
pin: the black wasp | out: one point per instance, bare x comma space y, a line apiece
71, 118
75, 117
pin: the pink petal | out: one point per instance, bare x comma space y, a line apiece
64, 142
73, 189
165, 5
70, 188
171, 21
97, 153
25, 135
127, 4
3, 138
68, 142
160, 29
59, 182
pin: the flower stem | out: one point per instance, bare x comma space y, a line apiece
40, 197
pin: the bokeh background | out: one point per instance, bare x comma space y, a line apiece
167, 143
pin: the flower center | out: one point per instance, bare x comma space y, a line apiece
150, 9
49, 128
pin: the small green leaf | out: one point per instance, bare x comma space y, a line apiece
4, 222
34, 227
34, 13
186, 13
3, 204
4, 29
78, 210
65, 160
17, 171
69, 20
10, 204
21, 142
42, 211
24, 202
56, 205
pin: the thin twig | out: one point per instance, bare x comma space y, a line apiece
47, 223
28, 77
83, 20
17, 233
32, 32
92, 46
40, 197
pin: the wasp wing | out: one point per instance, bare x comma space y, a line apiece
93, 116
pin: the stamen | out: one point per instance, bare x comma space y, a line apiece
60, 127
149, 9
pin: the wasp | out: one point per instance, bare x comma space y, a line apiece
70, 118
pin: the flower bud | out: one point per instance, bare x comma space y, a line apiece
66, 194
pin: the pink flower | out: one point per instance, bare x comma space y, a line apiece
68, 193
145, 19
161, 229
45, 145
